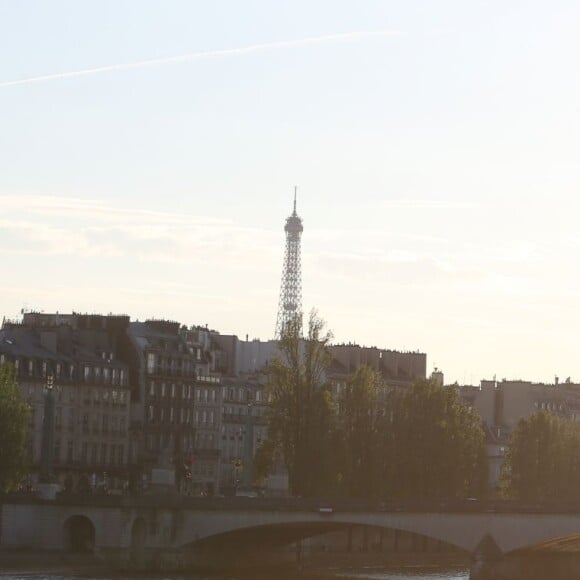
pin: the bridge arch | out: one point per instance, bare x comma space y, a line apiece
276, 535
451, 529
79, 534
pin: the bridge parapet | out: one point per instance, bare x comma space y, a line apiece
299, 504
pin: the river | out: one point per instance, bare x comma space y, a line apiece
365, 573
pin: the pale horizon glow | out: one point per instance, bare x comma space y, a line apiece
435, 148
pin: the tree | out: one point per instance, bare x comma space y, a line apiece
13, 431
357, 443
436, 445
543, 459
300, 417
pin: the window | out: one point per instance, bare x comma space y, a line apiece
150, 363
44, 368
122, 425
163, 389
151, 413
173, 391
86, 371
30, 367
171, 415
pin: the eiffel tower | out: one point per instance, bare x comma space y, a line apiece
290, 304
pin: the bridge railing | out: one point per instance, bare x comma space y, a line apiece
324, 506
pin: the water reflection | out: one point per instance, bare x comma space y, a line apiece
370, 573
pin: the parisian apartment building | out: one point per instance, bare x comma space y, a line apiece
76, 355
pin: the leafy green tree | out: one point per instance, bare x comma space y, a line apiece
543, 459
13, 431
300, 416
356, 446
436, 445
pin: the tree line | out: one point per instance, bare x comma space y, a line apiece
366, 440
14, 413
543, 459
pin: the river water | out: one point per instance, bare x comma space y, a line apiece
370, 573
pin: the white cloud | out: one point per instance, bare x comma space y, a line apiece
47, 225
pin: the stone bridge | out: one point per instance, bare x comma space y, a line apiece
129, 530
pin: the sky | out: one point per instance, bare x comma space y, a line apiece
149, 151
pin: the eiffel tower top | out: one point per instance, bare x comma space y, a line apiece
294, 222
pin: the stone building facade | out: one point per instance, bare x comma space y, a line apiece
91, 391
162, 381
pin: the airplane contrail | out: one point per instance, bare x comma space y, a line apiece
203, 55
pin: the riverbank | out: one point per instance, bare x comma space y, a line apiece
25, 563
320, 565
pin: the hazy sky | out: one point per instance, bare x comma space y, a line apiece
436, 147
